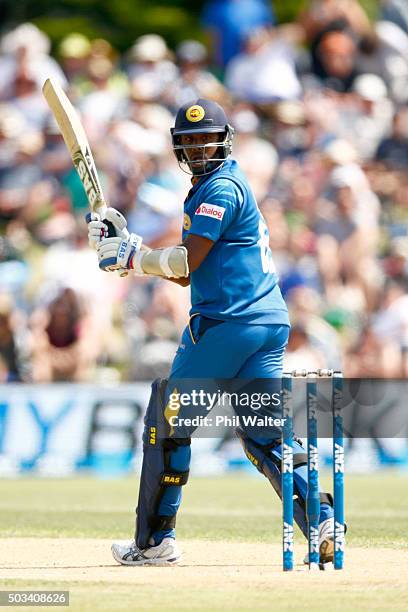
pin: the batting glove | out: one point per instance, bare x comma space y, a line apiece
117, 253
98, 230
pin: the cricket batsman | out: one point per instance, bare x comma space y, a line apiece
238, 327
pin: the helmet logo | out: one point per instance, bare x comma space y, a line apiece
195, 113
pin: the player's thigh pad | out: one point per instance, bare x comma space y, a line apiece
165, 464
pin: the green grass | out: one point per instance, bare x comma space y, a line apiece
239, 508
125, 598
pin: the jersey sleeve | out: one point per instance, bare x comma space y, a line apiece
219, 207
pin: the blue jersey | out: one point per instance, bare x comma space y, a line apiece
237, 280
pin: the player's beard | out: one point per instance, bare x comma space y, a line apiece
203, 166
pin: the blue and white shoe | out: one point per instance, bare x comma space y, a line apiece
165, 553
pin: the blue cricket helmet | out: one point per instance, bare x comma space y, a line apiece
202, 117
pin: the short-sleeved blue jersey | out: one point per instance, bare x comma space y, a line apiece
237, 280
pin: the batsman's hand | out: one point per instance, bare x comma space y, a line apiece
117, 253
98, 230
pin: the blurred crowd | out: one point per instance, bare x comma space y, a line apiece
320, 111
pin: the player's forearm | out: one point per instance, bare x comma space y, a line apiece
174, 262
168, 262
147, 265
127, 252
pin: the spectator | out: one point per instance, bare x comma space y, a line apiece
158, 204
291, 132
150, 68
364, 117
395, 11
305, 307
395, 263
341, 246
386, 55
349, 238
344, 171
390, 324
13, 343
334, 53
20, 174
103, 101
74, 51
64, 347
393, 150
321, 13
372, 115
228, 22
103, 93
373, 357
257, 157
163, 317
300, 351
26, 46
26, 97
194, 80
264, 72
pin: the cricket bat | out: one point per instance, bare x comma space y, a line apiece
78, 146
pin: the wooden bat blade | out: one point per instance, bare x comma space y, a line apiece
66, 116
77, 143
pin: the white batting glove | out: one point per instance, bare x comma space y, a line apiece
98, 230
117, 253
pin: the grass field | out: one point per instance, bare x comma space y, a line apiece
56, 534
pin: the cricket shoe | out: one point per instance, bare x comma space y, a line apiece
165, 553
326, 542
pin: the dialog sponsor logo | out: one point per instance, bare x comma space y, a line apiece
211, 210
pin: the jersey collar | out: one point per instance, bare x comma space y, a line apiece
197, 181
